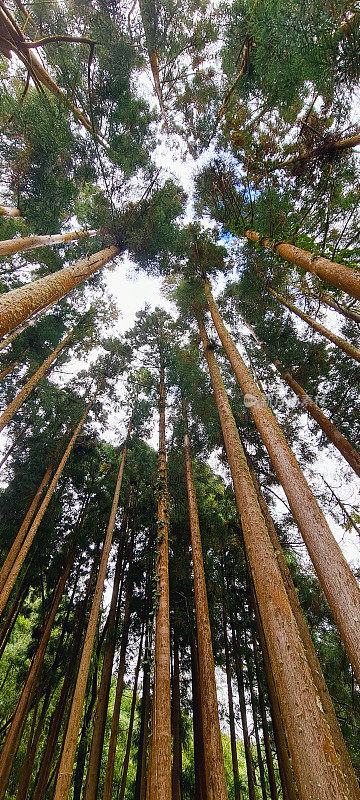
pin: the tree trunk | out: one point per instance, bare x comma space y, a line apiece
318, 772
214, 759
9, 368
308, 644
14, 572
16, 546
148, 13
176, 716
335, 576
264, 722
110, 765
256, 732
125, 765
198, 727
242, 703
40, 373
329, 301
10, 246
339, 275
18, 305
348, 348
16, 441
67, 760
97, 742
161, 732
234, 758
13, 737
9, 211
140, 783
11, 619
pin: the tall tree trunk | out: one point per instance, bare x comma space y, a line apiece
331, 302
10, 246
40, 373
125, 766
198, 727
149, 13
57, 717
339, 275
242, 703
13, 737
68, 755
29, 538
319, 774
214, 759
176, 716
16, 441
337, 580
348, 348
18, 541
161, 732
256, 731
234, 758
140, 783
9, 211
11, 619
18, 305
97, 742
88, 716
9, 368
264, 722
308, 644
10, 338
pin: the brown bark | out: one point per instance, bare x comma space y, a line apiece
198, 727
29, 538
68, 755
9, 368
318, 771
16, 546
176, 714
16, 441
13, 737
329, 301
348, 348
234, 758
256, 732
125, 765
140, 783
339, 275
10, 621
214, 760
307, 641
97, 741
10, 246
161, 732
110, 765
264, 722
242, 703
335, 576
9, 211
18, 305
40, 373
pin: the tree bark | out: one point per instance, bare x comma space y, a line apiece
13, 737
235, 765
339, 275
329, 301
68, 755
20, 304
214, 759
9, 247
264, 722
125, 766
335, 576
16, 441
198, 727
9, 368
318, 771
348, 348
40, 373
256, 732
242, 703
176, 716
140, 783
10, 621
29, 538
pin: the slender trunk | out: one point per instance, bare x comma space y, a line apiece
97, 742
264, 722
198, 727
33, 744
68, 755
16, 441
176, 715
234, 758
125, 765
87, 723
161, 732
256, 732
56, 720
341, 144
329, 301
9, 368
242, 703
335, 576
318, 772
339, 275
140, 783
214, 759
110, 765
21, 328
307, 641
348, 348
13, 737
29, 538
10, 246
9, 211
16, 546
18, 305
40, 373
11, 619
148, 13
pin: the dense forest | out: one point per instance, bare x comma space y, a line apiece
180, 410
